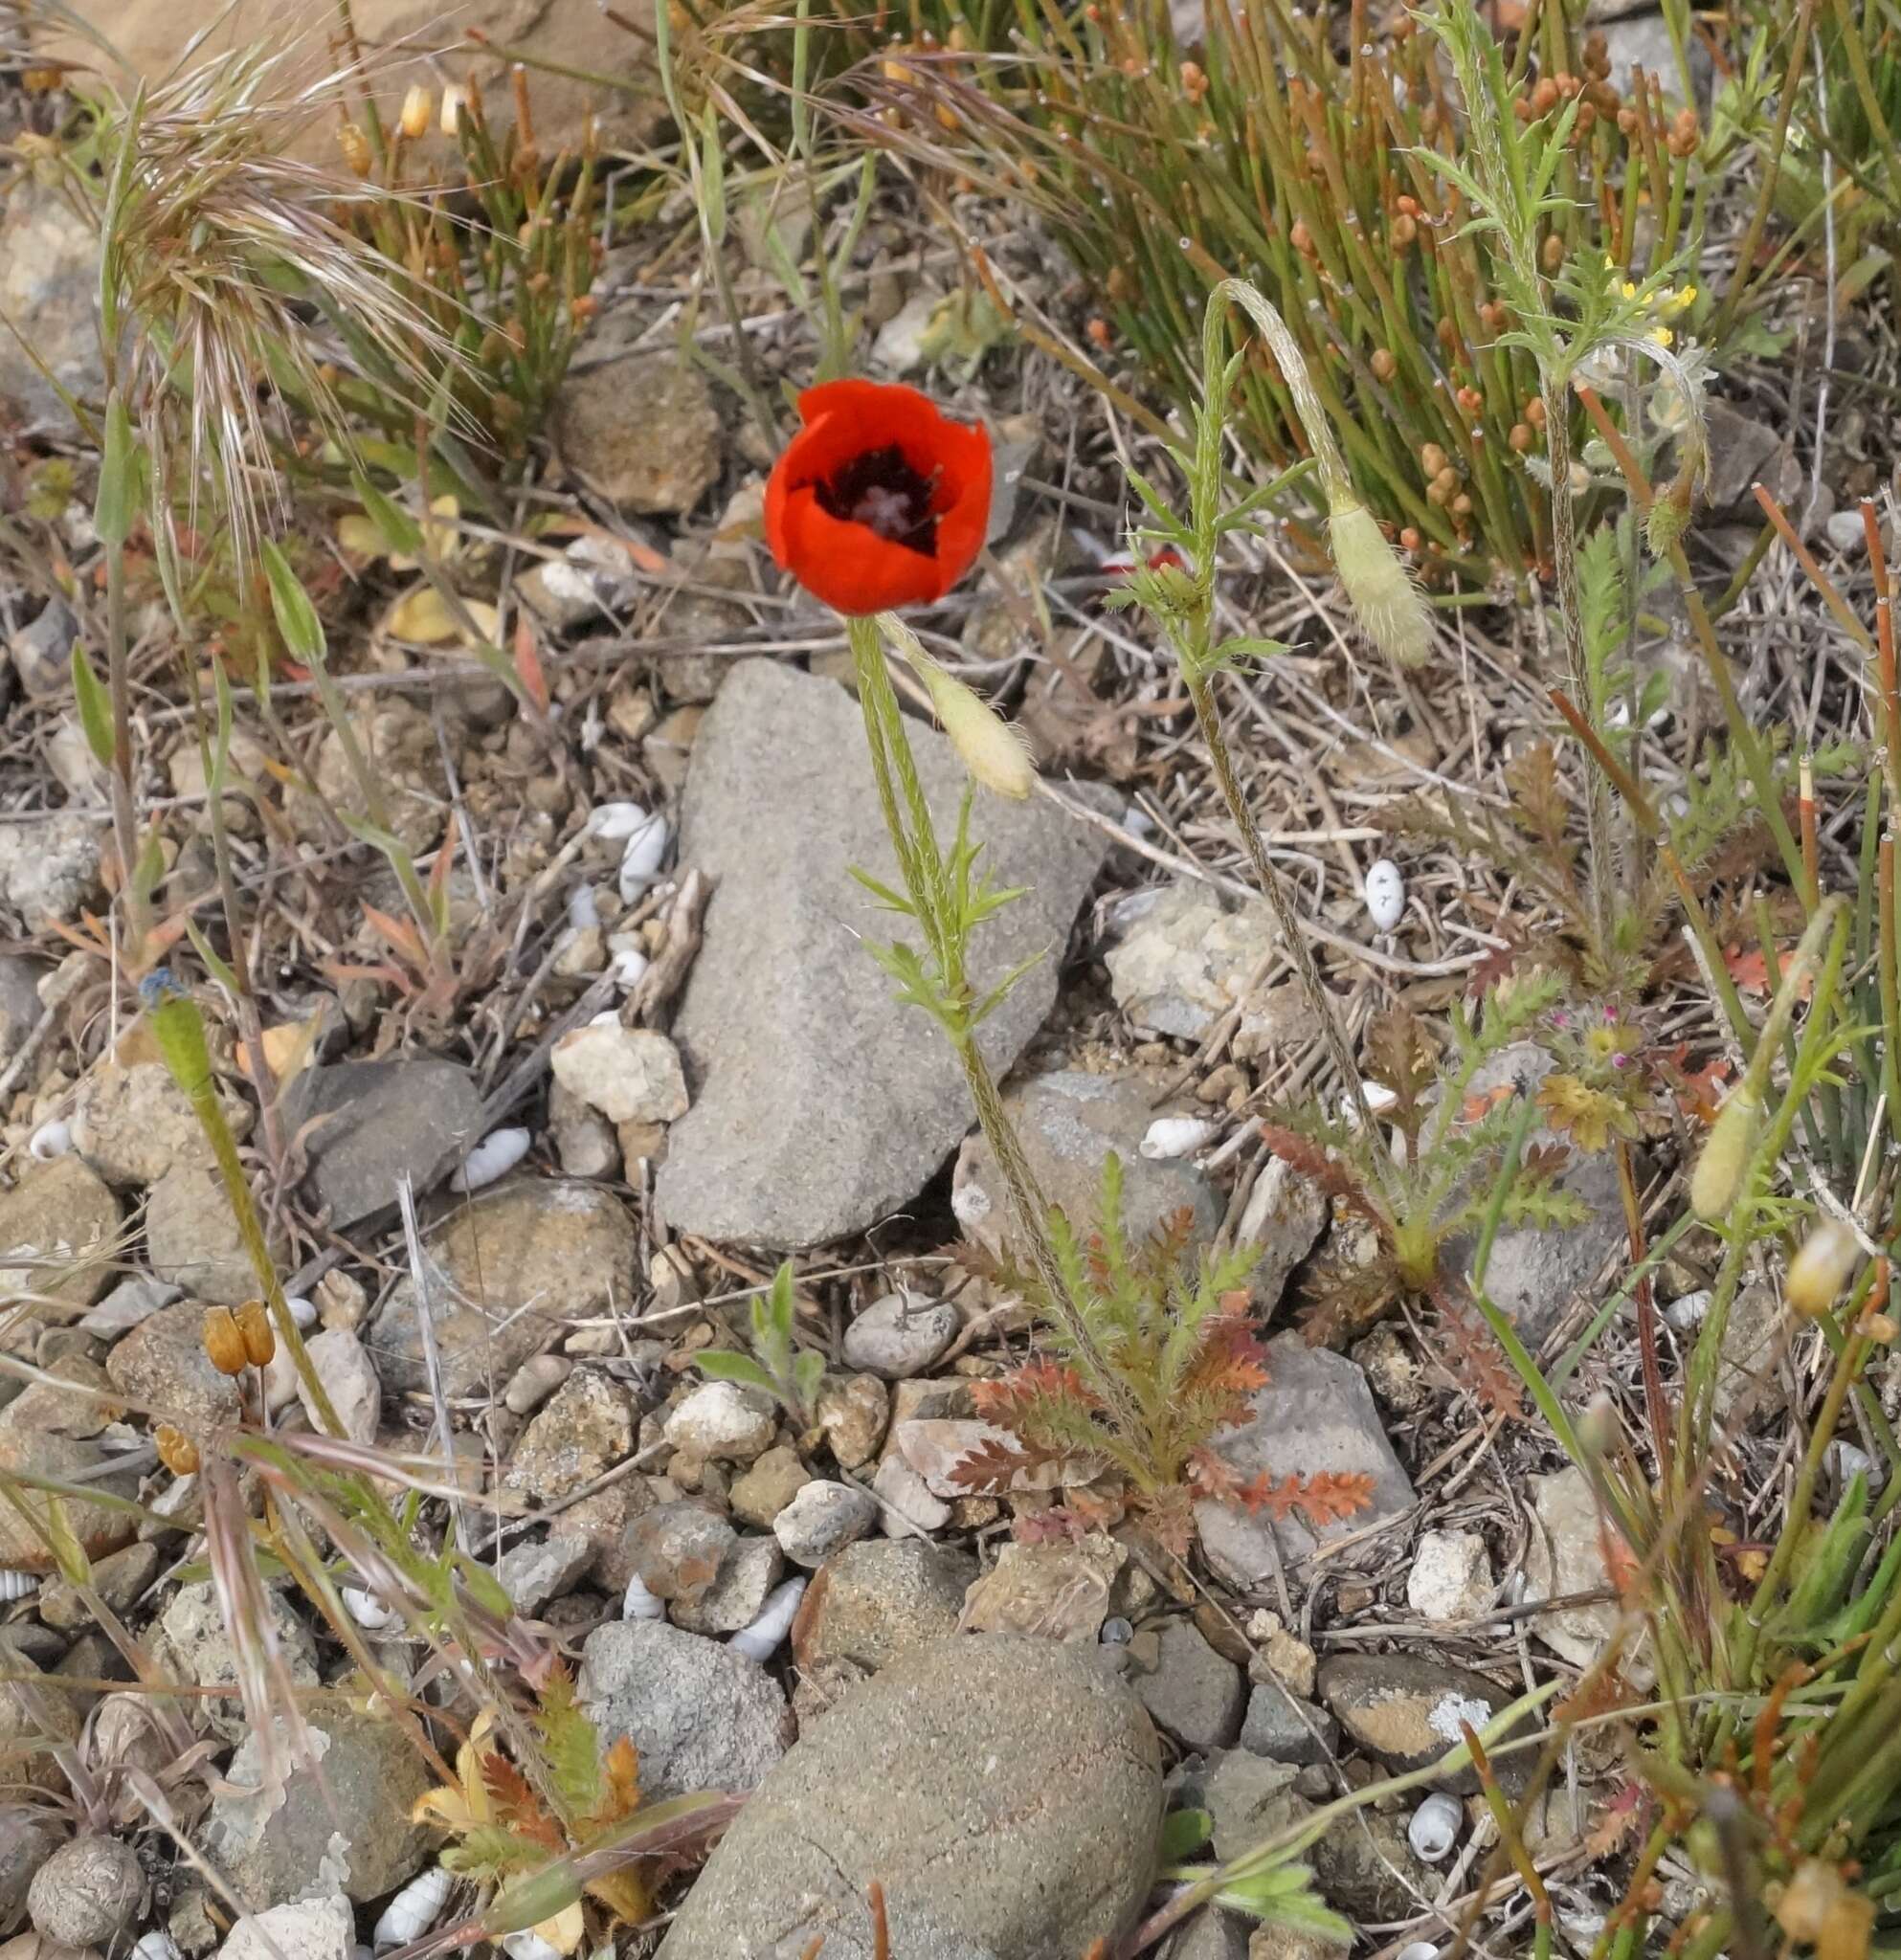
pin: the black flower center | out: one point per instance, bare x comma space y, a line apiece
880, 490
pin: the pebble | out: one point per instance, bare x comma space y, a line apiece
723, 1423
1174, 1136
532, 1574
737, 1596
1286, 1727
342, 1365
585, 1427
535, 1382
822, 1520
901, 1335
853, 1414
65, 1213
1565, 1554
89, 1893
383, 1121
321, 1928
1451, 1578
129, 1302
1056, 1591
1386, 895
702, 1716
1846, 533
628, 1074
880, 1598
767, 1485
1405, 1710
677, 1549
193, 1239
1189, 1689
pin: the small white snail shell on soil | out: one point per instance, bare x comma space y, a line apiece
494, 1156
156, 1945
629, 967
53, 1138
1418, 1949
1385, 894
528, 1945
1175, 1136
367, 1611
1432, 1829
302, 1310
640, 1603
760, 1640
414, 1910
640, 860
15, 1584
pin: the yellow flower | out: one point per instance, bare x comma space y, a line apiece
1662, 336
1590, 1116
1629, 289
1682, 300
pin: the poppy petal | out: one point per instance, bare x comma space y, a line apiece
850, 567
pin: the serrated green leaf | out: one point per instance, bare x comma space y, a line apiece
572, 1744
94, 707
296, 616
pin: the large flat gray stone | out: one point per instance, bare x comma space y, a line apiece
821, 1105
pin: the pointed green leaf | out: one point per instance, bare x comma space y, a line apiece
213, 964
401, 534
1183, 1834
724, 1366
94, 707
296, 618
118, 502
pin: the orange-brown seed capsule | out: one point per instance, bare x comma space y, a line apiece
1402, 232
1462, 506
1552, 253
1385, 366
1432, 458
1409, 539
1535, 413
1301, 239
176, 1450
1194, 80
1544, 98
1626, 122
260, 1341
355, 147
1521, 438
224, 1344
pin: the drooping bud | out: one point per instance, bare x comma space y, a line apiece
1818, 1273
355, 147
224, 1344
1718, 1176
1387, 604
996, 752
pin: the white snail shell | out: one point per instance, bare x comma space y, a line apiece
367, 1611
616, 822
15, 1584
1418, 1950
494, 1156
302, 1310
53, 1138
760, 1640
640, 860
640, 1603
1175, 1136
582, 911
1386, 895
629, 967
156, 1945
414, 1910
1432, 1829
528, 1945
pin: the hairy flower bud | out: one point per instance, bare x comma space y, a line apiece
996, 753
1386, 603
1718, 1176
1818, 1273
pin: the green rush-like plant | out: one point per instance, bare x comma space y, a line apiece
1303, 151
775, 1367
1177, 1337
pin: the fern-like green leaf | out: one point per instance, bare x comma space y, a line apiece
572, 1744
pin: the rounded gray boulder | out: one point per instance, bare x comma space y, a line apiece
1005, 1791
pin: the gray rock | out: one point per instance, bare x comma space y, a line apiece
121, 1579
582, 1433
1056, 1591
1184, 961
352, 1810
1451, 1576
1407, 1709
1367, 1870
679, 1548
510, 1271
629, 1075
531, 1574
1315, 1414
767, 1485
98, 1528
900, 1335
584, 1139
1274, 1727
162, 1365
1744, 450
535, 1382
1210, 1935
1750, 1371
20, 1004
723, 1422
1564, 1555
821, 1103
1068, 1123
1024, 1852
89, 1893
57, 1230
49, 289
25, 1844
49, 868
1192, 1691
1284, 1215
195, 1629
1535, 1276
133, 1125
702, 1716
193, 1239
643, 431
853, 1414
31, 1715
42, 652
1286, 1942
129, 1302
379, 1121
1643, 40
344, 1367
301, 1930
737, 1596
877, 1599
822, 1520
1247, 1798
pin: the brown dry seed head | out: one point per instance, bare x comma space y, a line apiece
260, 1341
1521, 438
1385, 366
224, 1344
1552, 253
1402, 232
355, 147
176, 1450
1432, 458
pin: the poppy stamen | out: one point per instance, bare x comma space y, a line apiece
880, 490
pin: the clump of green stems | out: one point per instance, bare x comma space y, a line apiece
1164, 170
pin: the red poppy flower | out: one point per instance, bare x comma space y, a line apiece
879, 500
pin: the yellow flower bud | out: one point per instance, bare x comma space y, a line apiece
1818, 1273
453, 96
224, 1344
355, 147
996, 753
254, 1324
1718, 1176
1386, 603
417, 106
176, 1450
